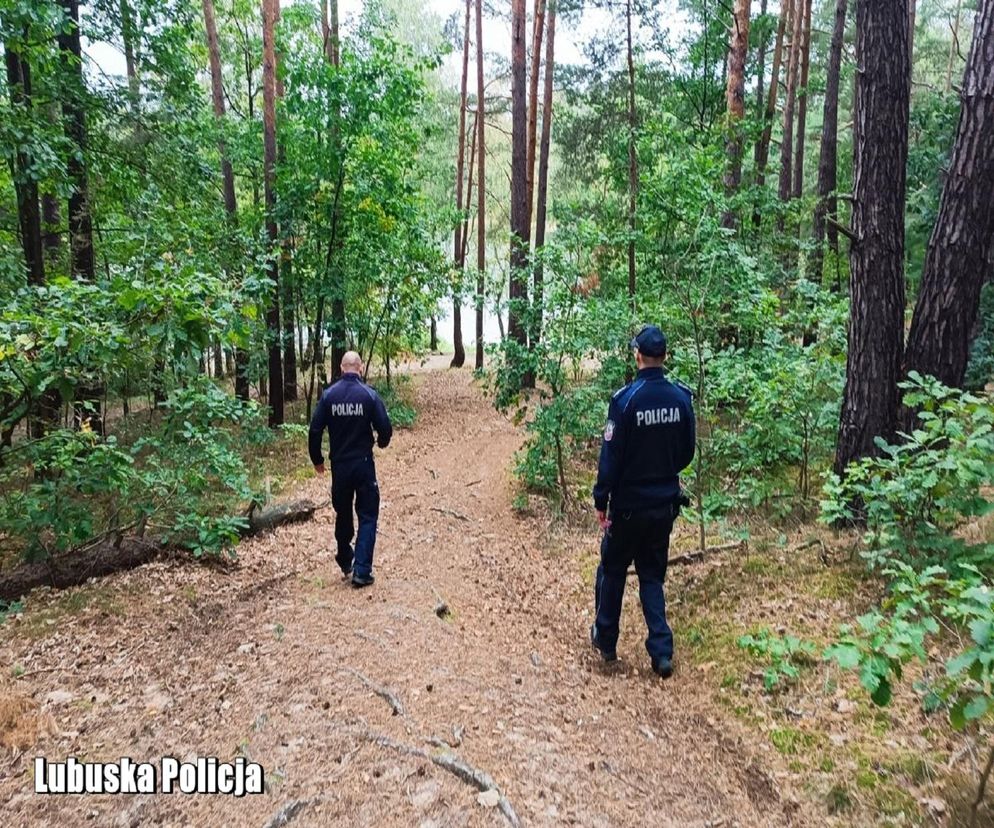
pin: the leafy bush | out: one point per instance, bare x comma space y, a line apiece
785, 654
917, 493
914, 498
181, 481
398, 399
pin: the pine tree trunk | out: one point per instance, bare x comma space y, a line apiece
89, 398
761, 65
738, 50
543, 163
876, 257
762, 153
481, 188
338, 330
25, 185
520, 230
458, 349
128, 35
227, 173
960, 253
802, 102
790, 104
633, 170
538, 21
827, 206
953, 46
275, 384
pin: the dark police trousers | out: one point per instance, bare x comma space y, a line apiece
642, 537
354, 482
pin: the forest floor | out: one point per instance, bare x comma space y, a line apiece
345, 696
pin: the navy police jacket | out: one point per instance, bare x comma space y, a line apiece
349, 410
648, 440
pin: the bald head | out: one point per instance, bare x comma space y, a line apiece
351, 363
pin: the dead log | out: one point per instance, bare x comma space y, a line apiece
280, 514
127, 552
76, 568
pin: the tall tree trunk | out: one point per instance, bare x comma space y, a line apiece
538, 21
520, 230
790, 103
481, 187
762, 154
953, 46
738, 50
761, 65
912, 21
876, 256
960, 253
25, 185
275, 384
543, 163
227, 173
339, 333
802, 102
89, 400
459, 350
128, 35
827, 206
633, 170
290, 393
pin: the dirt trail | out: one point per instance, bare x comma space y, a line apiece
274, 659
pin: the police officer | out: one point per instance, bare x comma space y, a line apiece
648, 440
350, 410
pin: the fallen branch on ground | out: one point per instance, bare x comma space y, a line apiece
383, 692
287, 812
698, 554
452, 513
479, 779
296, 511
76, 568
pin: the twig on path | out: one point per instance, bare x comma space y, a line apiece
698, 554
822, 553
287, 812
479, 779
609, 768
452, 513
474, 482
383, 692
40, 670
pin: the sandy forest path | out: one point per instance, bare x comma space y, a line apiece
279, 660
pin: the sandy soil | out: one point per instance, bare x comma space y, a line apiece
277, 659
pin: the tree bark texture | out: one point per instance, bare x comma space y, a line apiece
827, 206
275, 384
541, 208
458, 260
633, 170
802, 102
26, 187
762, 154
481, 189
520, 230
876, 257
960, 255
738, 51
790, 101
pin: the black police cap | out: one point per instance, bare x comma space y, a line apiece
650, 342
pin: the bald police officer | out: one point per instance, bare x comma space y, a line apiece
648, 440
349, 410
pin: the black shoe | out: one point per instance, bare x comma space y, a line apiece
663, 668
344, 564
607, 656
362, 581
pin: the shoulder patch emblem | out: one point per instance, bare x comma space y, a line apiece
609, 431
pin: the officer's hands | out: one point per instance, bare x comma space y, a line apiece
602, 520
319, 470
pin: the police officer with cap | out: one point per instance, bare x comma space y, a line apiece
349, 410
648, 440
